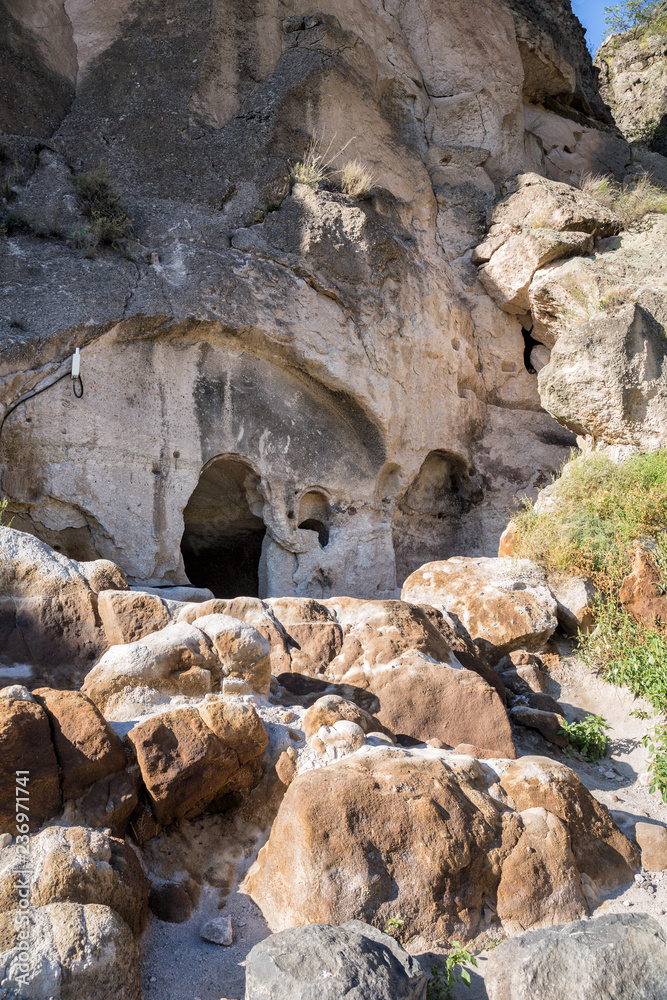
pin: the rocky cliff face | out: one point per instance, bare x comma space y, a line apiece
633, 81
287, 386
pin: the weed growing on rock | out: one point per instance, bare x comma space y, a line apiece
588, 736
632, 201
656, 742
311, 170
356, 180
394, 926
442, 981
109, 222
3, 510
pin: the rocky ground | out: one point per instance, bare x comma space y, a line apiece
178, 965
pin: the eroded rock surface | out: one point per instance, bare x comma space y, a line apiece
621, 955
435, 835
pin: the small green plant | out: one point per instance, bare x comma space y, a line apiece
442, 981
356, 180
3, 510
394, 926
640, 713
656, 742
588, 736
101, 204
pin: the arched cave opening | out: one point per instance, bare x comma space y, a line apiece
222, 541
315, 515
428, 521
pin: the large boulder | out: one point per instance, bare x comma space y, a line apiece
504, 604
183, 763
621, 955
179, 659
438, 840
314, 635
26, 746
48, 606
355, 961
76, 953
130, 615
78, 865
533, 201
508, 273
599, 848
429, 682
607, 378
86, 746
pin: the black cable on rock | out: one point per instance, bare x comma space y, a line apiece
77, 387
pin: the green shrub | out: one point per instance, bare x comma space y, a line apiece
656, 742
628, 652
588, 736
442, 981
109, 222
636, 15
601, 510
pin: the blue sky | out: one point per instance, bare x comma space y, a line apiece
591, 15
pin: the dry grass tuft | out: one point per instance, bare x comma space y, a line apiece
631, 201
356, 180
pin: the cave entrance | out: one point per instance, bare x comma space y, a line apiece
222, 541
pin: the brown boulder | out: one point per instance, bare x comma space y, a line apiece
599, 848
394, 650
111, 801
130, 615
183, 763
504, 604
86, 746
332, 708
543, 860
78, 865
508, 541
381, 832
428, 700
238, 726
435, 836
26, 745
314, 635
640, 592
546, 723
